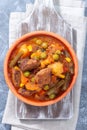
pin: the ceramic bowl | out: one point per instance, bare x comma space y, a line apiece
12, 48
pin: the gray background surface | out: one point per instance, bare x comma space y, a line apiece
7, 6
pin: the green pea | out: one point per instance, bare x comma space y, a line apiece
36, 57
32, 79
52, 96
38, 42
46, 87
34, 39
55, 57
58, 52
26, 73
44, 45
43, 55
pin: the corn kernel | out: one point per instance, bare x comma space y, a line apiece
62, 76
16, 67
33, 55
21, 85
68, 59
29, 48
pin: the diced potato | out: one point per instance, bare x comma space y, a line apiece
57, 68
25, 50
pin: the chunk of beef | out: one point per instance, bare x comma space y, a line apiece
43, 76
16, 77
25, 92
28, 64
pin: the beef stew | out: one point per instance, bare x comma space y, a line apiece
41, 68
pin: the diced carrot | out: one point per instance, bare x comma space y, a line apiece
31, 87
54, 78
47, 61
37, 97
23, 79
65, 69
59, 47
42, 92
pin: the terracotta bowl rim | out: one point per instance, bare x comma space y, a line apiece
24, 37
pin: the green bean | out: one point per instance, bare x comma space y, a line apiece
71, 67
14, 61
51, 91
67, 80
67, 54
71, 70
56, 87
60, 83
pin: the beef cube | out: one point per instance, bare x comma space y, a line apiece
28, 64
25, 92
43, 76
16, 77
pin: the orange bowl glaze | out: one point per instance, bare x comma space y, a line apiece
12, 48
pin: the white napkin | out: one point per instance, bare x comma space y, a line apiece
9, 116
